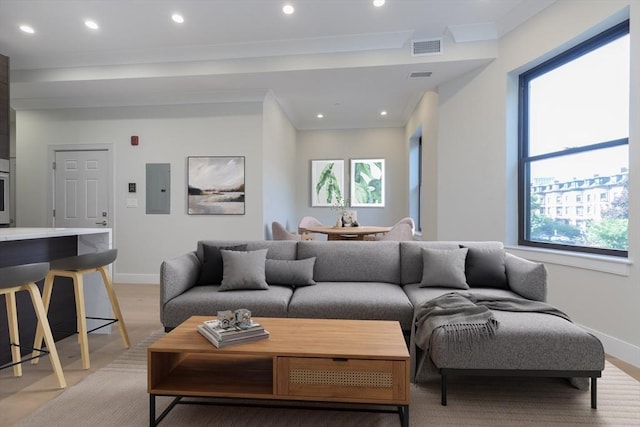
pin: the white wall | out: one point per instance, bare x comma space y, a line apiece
279, 157
387, 143
477, 146
167, 135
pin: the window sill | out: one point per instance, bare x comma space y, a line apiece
602, 263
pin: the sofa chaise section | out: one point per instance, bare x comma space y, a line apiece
524, 344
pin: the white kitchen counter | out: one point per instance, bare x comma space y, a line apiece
25, 233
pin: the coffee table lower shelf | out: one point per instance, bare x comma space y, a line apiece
402, 410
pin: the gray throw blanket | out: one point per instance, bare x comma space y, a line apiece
466, 319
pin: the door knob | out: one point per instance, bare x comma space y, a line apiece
102, 223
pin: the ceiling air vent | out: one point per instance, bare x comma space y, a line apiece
420, 74
426, 47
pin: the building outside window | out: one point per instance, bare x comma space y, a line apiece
574, 138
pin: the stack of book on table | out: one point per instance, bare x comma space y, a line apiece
222, 337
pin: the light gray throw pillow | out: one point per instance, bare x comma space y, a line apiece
444, 268
243, 270
290, 272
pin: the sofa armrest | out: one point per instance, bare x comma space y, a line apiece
526, 278
177, 275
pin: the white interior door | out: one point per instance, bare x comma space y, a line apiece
81, 189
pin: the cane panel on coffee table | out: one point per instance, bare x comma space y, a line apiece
326, 360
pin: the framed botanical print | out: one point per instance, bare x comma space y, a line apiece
367, 182
215, 185
327, 182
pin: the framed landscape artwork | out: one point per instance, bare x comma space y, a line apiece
327, 182
215, 185
367, 182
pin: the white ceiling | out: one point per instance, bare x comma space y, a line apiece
344, 58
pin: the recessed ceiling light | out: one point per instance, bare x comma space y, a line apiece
378, 3
27, 29
91, 24
320, 115
288, 9
383, 113
177, 18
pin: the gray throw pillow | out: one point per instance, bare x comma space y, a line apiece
290, 272
211, 271
485, 267
243, 270
443, 268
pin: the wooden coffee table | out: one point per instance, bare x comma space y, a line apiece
320, 360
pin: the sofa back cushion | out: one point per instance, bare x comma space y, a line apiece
211, 267
485, 268
353, 261
411, 267
278, 249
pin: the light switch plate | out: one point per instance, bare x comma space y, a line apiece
132, 203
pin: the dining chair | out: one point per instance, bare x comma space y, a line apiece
279, 232
309, 221
402, 230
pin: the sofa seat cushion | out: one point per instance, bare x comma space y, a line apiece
207, 301
418, 295
524, 341
352, 300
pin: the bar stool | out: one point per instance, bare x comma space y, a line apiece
23, 278
76, 267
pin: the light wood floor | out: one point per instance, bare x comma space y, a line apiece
140, 308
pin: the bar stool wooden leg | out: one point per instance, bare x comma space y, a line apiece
78, 287
114, 305
48, 337
46, 300
14, 334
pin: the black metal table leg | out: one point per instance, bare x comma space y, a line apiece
152, 410
443, 390
403, 411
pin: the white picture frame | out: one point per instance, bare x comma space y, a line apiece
367, 183
327, 182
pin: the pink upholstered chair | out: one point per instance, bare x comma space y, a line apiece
402, 230
279, 232
309, 221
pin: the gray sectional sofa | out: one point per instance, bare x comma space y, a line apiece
386, 280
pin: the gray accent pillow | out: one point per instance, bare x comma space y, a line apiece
211, 271
444, 268
485, 267
243, 270
290, 272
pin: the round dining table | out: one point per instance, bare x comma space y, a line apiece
347, 233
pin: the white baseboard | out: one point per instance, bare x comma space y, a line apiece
136, 278
615, 347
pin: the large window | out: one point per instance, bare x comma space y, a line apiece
415, 181
573, 152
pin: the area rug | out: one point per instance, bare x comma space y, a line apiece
117, 396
